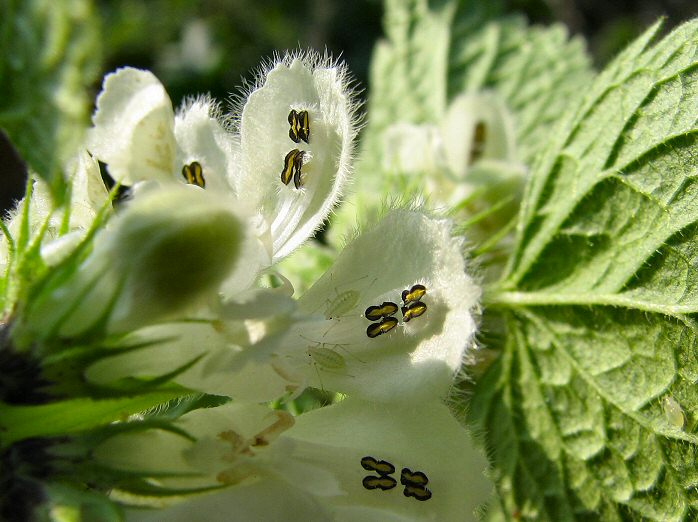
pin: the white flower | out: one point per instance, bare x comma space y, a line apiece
316, 467
474, 139
296, 87
417, 354
137, 134
140, 138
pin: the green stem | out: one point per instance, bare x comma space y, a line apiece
495, 298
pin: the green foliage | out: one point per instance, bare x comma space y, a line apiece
73, 415
47, 60
600, 305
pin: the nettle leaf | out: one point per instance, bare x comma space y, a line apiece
47, 60
591, 410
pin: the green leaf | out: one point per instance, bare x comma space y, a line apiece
600, 305
71, 416
48, 58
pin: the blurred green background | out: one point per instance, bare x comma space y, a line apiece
211, 45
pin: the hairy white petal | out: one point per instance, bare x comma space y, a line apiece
291, 214
201, 138
133, 127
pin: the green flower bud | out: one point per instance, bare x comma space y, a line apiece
172, 247
167, 251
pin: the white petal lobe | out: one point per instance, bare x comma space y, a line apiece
133, 127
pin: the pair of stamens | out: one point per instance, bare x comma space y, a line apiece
382, 313
293, 162
412, 307
415, 482
193, 174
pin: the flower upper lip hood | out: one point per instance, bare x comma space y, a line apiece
302, 82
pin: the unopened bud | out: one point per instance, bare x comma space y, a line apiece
169, 249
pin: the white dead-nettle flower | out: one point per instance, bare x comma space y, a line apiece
282, 158
404, 461
394, 314
474, 138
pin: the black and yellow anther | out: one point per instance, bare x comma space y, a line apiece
194, 174
293, 163
383, 468
415, 484
414, 294
477, 149
376, 329
375, 313
382, 483
412, 311
300, 126
412, 299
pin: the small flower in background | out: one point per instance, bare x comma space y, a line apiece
465, 165
474, 138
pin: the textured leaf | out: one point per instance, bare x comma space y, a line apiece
584, 409
47, 60
408, 71
70, 416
